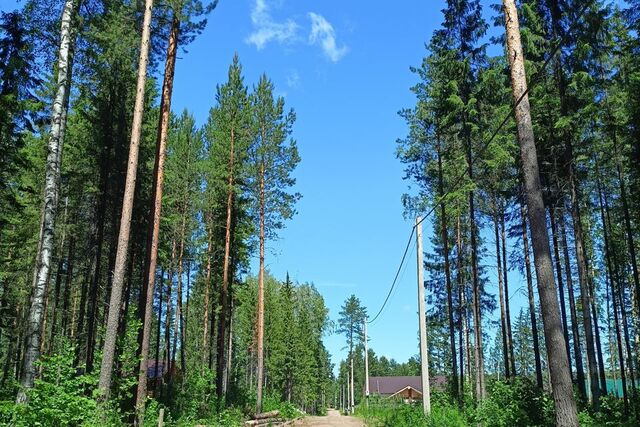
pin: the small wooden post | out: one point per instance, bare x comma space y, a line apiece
161, 418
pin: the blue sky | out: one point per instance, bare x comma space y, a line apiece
344, 67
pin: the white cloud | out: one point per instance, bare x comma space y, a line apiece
322, 32
266, 29
293, 79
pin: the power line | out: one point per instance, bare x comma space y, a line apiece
441, 199
395, 279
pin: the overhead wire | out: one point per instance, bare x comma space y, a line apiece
533, 82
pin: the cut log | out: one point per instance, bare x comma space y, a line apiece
265, 422
263, 415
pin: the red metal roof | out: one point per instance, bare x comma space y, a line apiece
392, 385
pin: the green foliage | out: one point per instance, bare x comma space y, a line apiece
195, 398
287, 409
296, 361
389, 413
58, 398
610, 414
517, 403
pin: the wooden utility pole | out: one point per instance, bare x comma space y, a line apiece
366, 363
566, 413
424, 356
351, 399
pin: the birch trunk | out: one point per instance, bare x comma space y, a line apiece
115, 301
566, 412
50, 207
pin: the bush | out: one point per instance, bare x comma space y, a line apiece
389, 413
287, 409
57, 399
516, 403
611, 414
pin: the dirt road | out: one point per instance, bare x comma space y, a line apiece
333, 419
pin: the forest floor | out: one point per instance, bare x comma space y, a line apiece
333, 419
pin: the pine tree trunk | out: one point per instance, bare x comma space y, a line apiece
619, 292
566, 412
78, 328
596, 327
505, 272
260, 331
477, 291
207, 286
167, 322
98, 241
503, 316
224, 291
464, 320
158, 374
227, 371
50, 207
581, 260
180, 311
447, 274
532, 304
66, 295
115, 301
610, 277
154, 235
627, 224
558, 264
577, 351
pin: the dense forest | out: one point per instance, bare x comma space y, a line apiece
127, 231
575, 243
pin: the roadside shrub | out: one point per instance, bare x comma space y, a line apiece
389, 413
516, 403
287, 409
58, 397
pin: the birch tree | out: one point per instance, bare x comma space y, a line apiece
51, 195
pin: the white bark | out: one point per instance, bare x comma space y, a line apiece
50, 206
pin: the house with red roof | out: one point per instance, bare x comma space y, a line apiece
409, 389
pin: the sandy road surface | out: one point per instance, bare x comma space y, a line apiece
333, 419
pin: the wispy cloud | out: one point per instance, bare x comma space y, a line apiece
266, 29
322, 32
293, 79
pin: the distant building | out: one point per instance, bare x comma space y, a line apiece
409, 389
